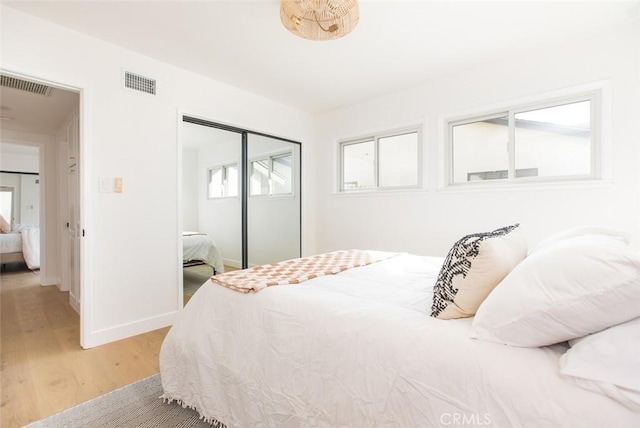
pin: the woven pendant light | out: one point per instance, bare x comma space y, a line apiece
319, 19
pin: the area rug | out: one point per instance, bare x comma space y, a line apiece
195, 276
132, 406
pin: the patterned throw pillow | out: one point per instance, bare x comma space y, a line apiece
474, 266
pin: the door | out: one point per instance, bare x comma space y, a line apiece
74, 230
273, 217
251, 203
211, 202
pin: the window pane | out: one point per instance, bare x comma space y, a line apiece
556, 141
231, 180
281, 175
6, 204
398, 164
214, 183
480, 150
259, 178
358, 165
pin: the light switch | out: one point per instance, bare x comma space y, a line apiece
106, 185
118, 184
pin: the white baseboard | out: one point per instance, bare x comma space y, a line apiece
101, 337
74, 303
61, 285
233, 263
47, 281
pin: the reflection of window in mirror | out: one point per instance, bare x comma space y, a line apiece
281, 174
214, 183
222, 181
260, 177
272, 176
231, 180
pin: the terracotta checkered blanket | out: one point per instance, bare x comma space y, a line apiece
297, 270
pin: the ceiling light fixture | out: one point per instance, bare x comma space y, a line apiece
319, 19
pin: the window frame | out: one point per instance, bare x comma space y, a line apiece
596, 173
269, 157
223, 168
375, 137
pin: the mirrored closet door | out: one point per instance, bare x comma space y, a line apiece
211, 204
240, 189
273, 200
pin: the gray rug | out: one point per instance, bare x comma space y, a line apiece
135, 405
193, 277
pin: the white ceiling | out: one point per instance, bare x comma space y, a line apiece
27, 112
397, 44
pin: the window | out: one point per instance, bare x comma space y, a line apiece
222, 181
385, 161
548, 141
272, 175
6, 203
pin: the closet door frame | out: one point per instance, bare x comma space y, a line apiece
244, 178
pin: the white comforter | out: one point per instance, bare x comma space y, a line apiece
200, 246
359, 349
31, 247
27, 241
10, 243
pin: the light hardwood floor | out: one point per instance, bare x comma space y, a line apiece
43, 368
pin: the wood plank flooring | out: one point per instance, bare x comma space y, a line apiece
43, 370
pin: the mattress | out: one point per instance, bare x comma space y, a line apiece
359, 349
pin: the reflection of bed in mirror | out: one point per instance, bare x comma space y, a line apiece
198, 249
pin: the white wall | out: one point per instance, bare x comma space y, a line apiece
429, 221
17, 162
131, 262
30, 199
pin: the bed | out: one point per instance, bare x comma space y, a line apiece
358, 348
199, 248
21, 246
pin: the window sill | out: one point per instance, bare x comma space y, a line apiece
530, 186
377, 192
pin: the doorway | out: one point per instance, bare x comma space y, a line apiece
46, 116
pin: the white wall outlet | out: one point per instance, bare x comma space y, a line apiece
106, 185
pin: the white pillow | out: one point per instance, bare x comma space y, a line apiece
582, 231
608, 362
562, 291
474, 266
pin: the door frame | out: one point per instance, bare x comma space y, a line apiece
84, 194
183, 117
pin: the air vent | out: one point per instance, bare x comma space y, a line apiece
139, 83
25, 85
